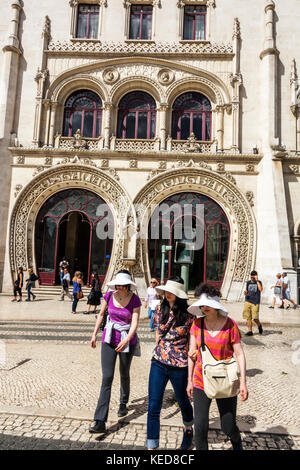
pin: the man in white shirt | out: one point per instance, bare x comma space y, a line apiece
65, 283
286, 292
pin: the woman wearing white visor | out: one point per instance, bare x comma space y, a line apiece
214, 339
119, 339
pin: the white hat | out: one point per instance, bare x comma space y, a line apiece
121, 279
205, 300
175, 288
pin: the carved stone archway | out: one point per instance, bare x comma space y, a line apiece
49, 182
200, 179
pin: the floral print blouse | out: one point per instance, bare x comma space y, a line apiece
172, 349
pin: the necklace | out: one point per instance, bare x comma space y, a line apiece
212, 327
121, 298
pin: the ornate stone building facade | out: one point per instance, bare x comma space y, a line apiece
138, 103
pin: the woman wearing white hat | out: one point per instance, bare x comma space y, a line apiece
170, 360
119, 339
214, 339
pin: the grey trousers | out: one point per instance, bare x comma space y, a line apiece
108, 363
64, 292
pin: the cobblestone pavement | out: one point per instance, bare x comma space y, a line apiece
39, 433
50, 369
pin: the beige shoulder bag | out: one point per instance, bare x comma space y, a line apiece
220, 378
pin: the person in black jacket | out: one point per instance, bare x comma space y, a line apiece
95, 295
29, 284
18, 284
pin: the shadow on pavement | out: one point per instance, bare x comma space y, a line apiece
139, 409
253, 372
271, 332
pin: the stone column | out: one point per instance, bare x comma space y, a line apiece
274, 252
47, 107
220, 127
40, 79
9, 75
163, 125
8, 92
107, 108
52, 123
236, 82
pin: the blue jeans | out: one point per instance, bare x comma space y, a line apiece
158, 379
151, 316
75, 302
29, 293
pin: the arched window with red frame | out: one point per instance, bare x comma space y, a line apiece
136, 116
83, 111
191, 114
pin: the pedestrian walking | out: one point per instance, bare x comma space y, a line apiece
77, 290
286, 292
252, 303
151, 301
170, 361
65, 285
18, 284
64, 264
29, 284
95, 294
277, 291
119, 339
215, 339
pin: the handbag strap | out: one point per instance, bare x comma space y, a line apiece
108, 300
202, 334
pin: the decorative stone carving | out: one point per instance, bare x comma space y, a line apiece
133, 163
191, 145
191, 164
131, 145
104, 163
48, 161
18, 188
250, 167
110, 75
113, 173
162, 165
47, 27
128, 3
229, 177
76, 160
182, 3
250, 197
20, 160
157, 48
38, 170
236, 29
78, 141
220, 167
294, 169
165, 76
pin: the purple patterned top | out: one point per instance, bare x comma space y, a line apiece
172, 349
122, 316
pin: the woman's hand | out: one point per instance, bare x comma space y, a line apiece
193, 355
243, 391
190, 389
93, 341
122, 345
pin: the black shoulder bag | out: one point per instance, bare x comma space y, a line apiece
104, 320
